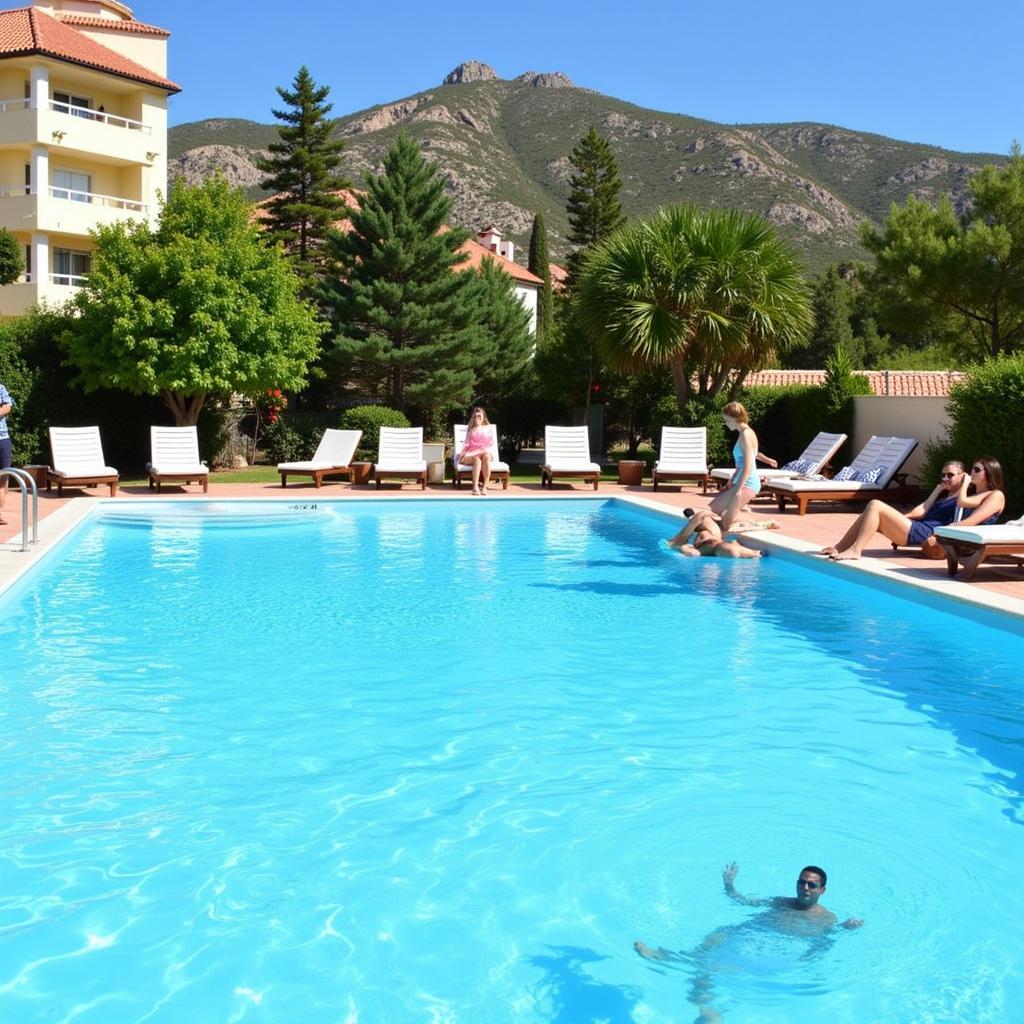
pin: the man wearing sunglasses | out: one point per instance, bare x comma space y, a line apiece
809, 888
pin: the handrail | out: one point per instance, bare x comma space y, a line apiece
24, 478
14, 104
77, 195
68, 280
88, 114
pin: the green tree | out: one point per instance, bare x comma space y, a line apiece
201, 305
831, 308
407, 327
712, 294
302, 171
593, 207
957, 277
539, 263
506, 325
11, 262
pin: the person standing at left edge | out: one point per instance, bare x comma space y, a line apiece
6, 405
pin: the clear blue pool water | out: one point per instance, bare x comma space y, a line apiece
445, 761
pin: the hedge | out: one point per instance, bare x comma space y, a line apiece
986, 412
369, 419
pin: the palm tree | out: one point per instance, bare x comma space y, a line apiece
712, 294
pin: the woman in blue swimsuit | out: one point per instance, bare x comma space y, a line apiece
983, 505
745, 482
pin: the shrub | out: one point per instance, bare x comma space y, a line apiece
984, 411
369, 419
294, 436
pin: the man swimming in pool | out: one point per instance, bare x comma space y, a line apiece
800, 916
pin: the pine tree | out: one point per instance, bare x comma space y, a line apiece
506, 324
408, 327
593, 207
302, 171
539, 264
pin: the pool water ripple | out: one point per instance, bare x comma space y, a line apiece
447, 762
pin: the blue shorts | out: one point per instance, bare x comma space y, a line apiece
5, 453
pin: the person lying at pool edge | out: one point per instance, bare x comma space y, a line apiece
701, 535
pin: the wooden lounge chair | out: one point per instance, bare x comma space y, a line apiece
881, 459
683, 455
333, 457
400, 456
174, 457
77, 454
972, 545
810, 462
499, 469
567, 454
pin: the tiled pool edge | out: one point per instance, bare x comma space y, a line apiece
873, 572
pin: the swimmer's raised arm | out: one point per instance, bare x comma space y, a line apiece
729, 874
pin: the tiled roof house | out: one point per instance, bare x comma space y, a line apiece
910, 383
83, 134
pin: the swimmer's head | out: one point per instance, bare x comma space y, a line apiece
689, 513
810, 885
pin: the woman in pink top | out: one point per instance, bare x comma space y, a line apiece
477, 449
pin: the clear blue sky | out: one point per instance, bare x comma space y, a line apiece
930, 71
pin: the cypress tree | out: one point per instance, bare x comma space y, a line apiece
408, 327
593, 207
539, 263
302, 171
506, 325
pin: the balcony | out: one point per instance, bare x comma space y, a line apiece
30, 289
64, 210
76, 130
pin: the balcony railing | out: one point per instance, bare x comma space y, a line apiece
114, 202
100, 115
69, 280
6, 105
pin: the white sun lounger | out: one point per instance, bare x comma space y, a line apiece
400, 455
816, 457
567, 454
333, 457
683, 455
462, 471
78, 461
971, 545
174, 457
886, 454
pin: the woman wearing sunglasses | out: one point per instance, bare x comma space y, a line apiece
979, 493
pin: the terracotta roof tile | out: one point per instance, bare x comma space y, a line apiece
478, 253
911, 383
115, 25
28, 31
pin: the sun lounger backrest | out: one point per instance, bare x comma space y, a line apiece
174, 446
76, 448
684, 446
897, 452
566, 444
461, 429
337, 447
401, 444
821, 449
872, 454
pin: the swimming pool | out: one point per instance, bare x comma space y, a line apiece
444, 761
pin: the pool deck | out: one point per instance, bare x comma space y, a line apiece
995, 585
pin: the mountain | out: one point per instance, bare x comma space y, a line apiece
504, 149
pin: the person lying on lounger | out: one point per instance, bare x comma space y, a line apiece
979, 493
701, 535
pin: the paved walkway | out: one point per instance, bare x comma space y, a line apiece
1003, 583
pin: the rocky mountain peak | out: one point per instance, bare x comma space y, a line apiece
471, 71
546, 79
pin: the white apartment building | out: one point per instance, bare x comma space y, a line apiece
83, 135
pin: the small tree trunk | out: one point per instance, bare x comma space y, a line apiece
681, 380
186, 409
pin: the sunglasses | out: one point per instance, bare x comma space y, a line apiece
808, 885
946, 476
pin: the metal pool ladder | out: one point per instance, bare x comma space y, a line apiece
26, 480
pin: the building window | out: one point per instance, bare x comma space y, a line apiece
72, 185
28, 262
70, 266
77, 106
